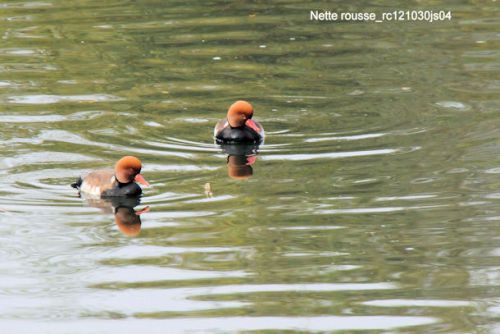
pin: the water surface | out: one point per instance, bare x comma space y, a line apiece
372, 206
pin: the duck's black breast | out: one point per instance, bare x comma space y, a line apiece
240, 135
123, 189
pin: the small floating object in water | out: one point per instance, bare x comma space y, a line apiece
238, 126
110, 183
208, 190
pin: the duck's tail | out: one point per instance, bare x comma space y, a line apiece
78, 183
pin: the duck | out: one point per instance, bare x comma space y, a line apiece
113, 183
238, 126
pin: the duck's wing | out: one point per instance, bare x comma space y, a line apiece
95, 183
256, 126
221, 125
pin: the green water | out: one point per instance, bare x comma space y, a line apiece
373, 205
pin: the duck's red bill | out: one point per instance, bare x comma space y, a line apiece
251, 124
140, 179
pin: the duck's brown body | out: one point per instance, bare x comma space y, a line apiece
106, 182
98, 182
103, 183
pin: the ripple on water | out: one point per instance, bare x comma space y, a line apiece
151, 251
346, 138
49, 99
176, 299
42, 158
233, 324
418, 303
137, 274
453, 105
73, 138
354, 155
329, 155
21, 52
377, 210
26, 68
305, 228
50, 118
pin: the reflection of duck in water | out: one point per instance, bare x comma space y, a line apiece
110, 183
127, 219
238, 127
240, 160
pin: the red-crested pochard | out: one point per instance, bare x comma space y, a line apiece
110, 183
238, 126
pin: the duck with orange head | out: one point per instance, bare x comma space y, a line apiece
239, 127
110, 183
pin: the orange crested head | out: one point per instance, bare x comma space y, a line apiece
239, 112
128, 169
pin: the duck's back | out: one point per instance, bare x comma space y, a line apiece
97, 182
103, 183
